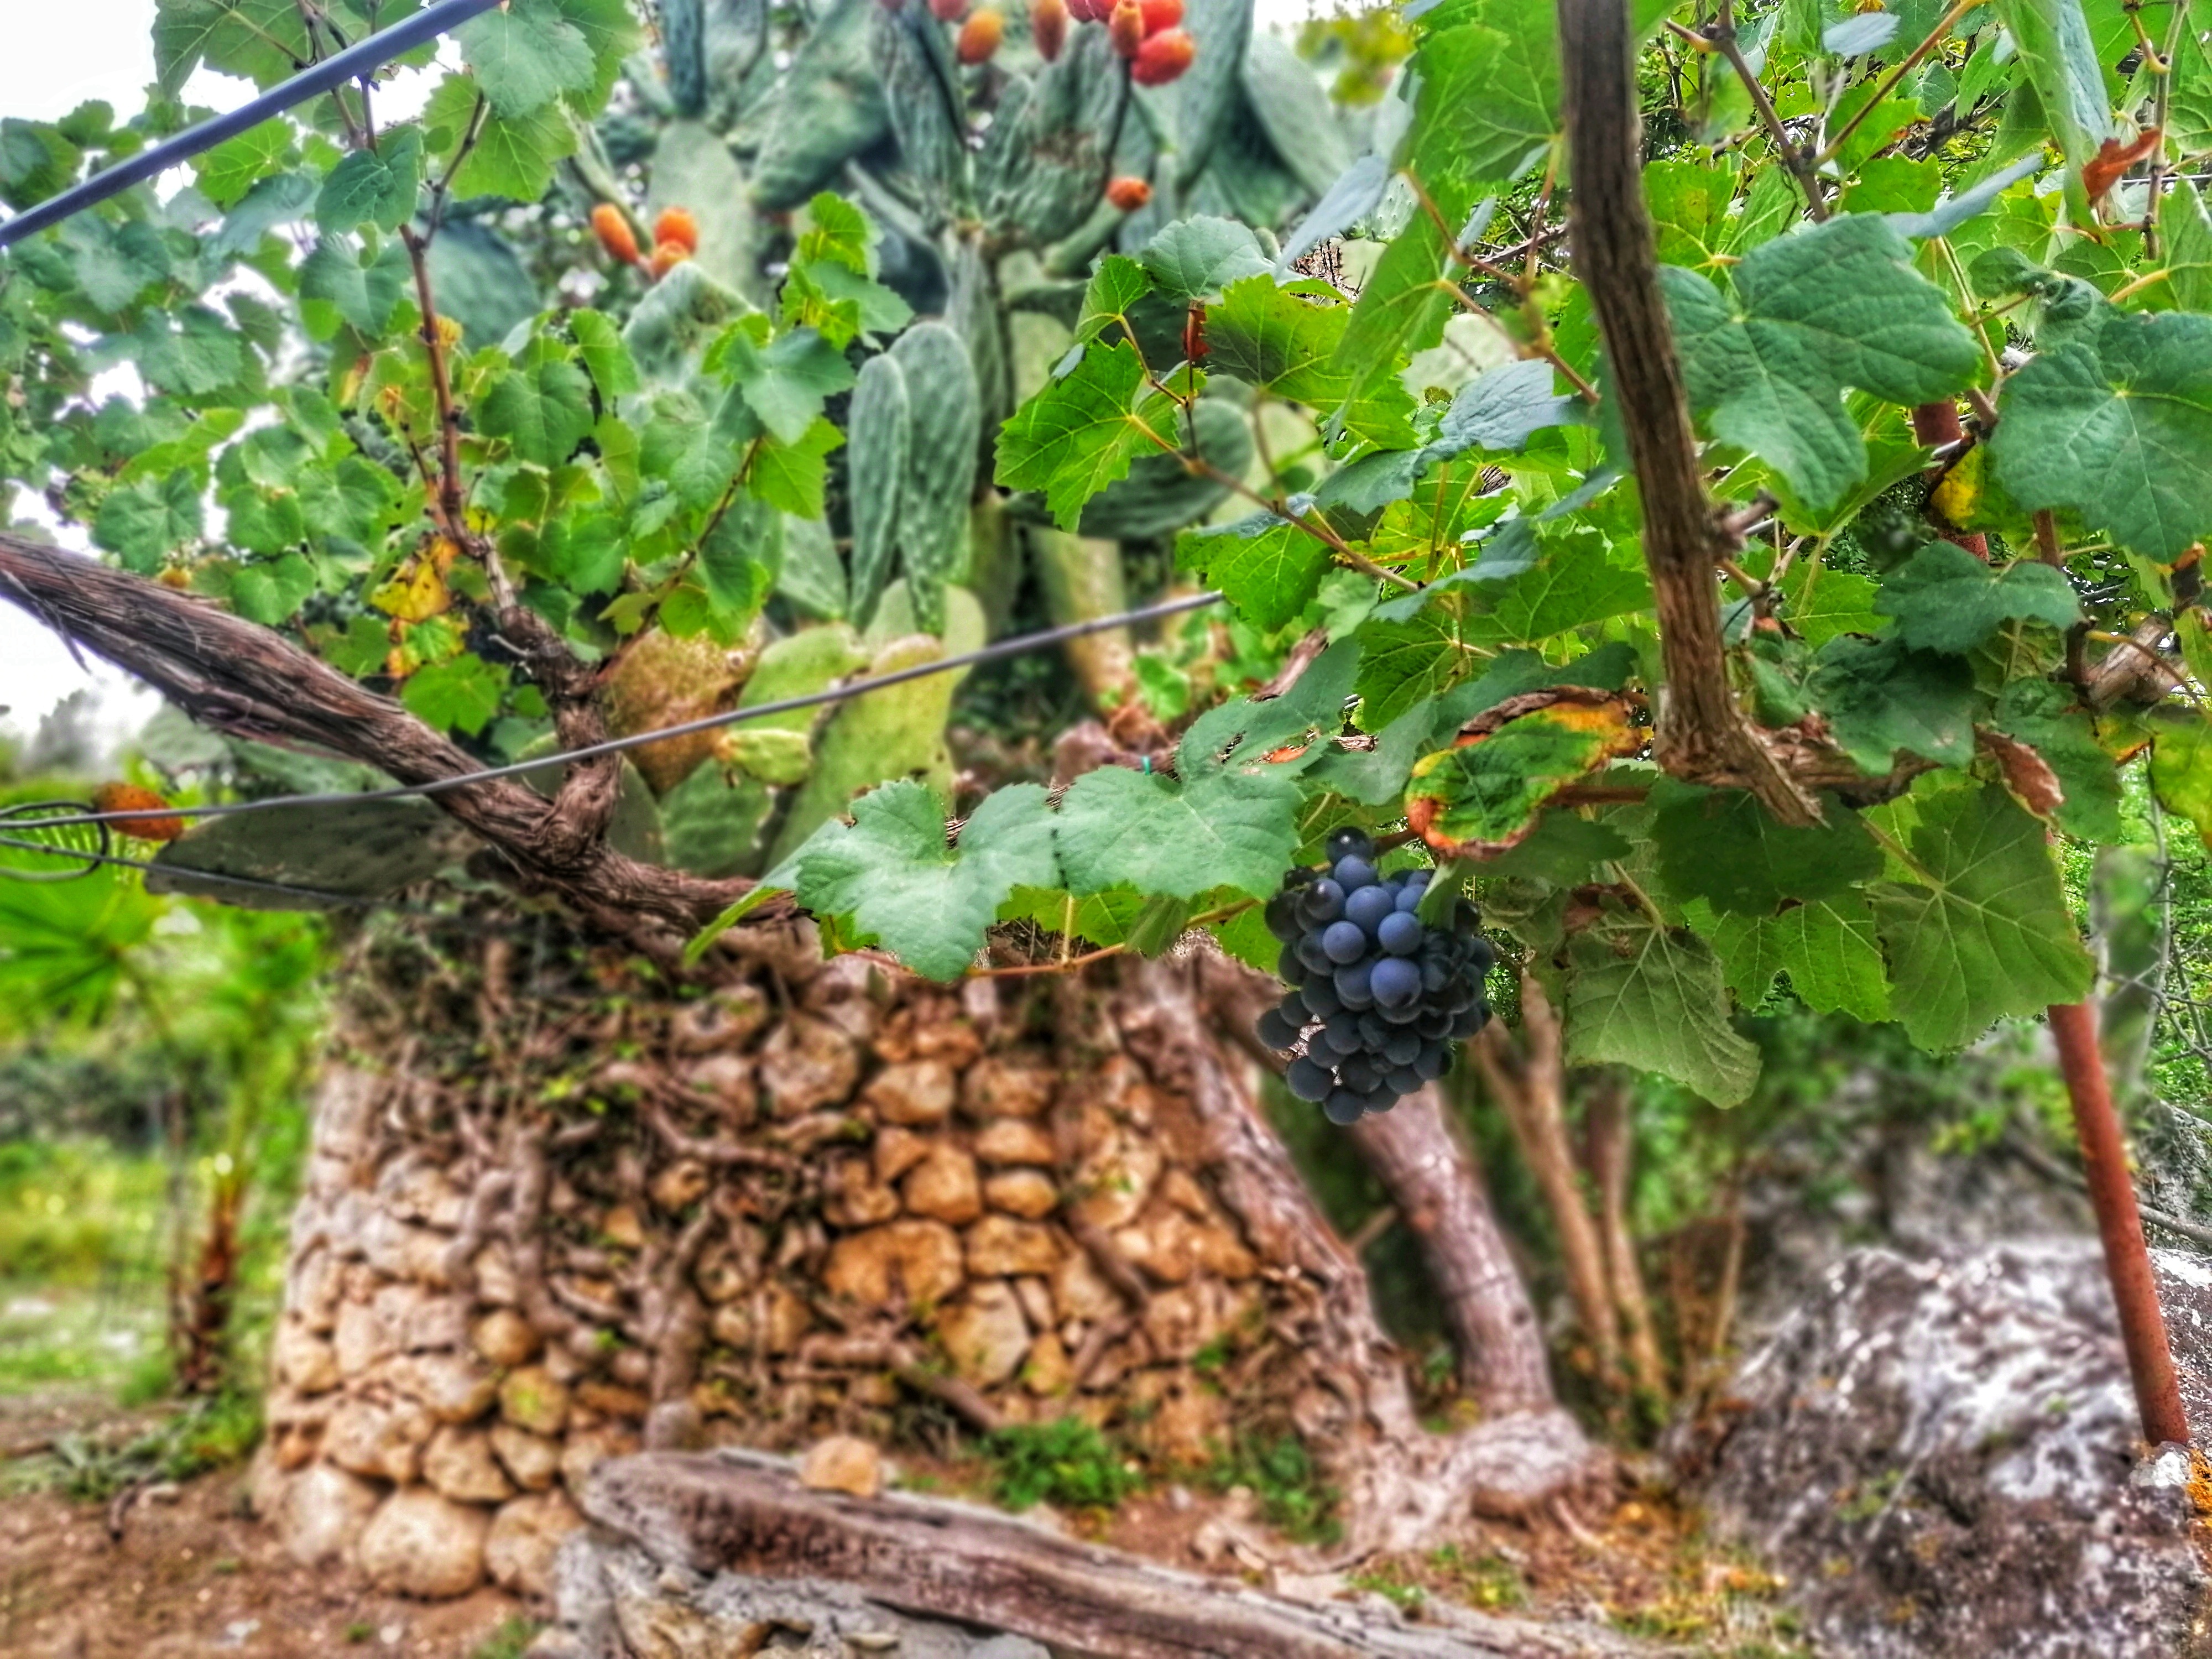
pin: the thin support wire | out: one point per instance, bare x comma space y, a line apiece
1019, 645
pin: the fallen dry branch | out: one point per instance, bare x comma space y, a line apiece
746, 1513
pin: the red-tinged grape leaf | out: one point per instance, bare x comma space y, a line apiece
1481, 797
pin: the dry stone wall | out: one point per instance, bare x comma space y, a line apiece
553, 1215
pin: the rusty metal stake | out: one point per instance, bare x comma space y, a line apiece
2112, 1196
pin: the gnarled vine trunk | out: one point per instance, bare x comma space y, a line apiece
555, 1214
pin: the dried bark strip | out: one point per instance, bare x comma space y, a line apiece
745, 1513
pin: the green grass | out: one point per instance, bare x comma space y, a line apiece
1282, 1475
1067, 1463
508, 1641
62, 1337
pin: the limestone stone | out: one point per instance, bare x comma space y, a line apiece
1047, 1370
1015, 1140
360, 1339
459, 1463
424, 1322
621, 1226
1028, 1194
998, 1244
382, 1436
904, 1262
1961, 1431
1007, 1085
1170, 1247
725, 1081
613, 1399
421, 1544
917, 1094
531, 1459
505, 1339
311, 1294
724, 1275
728, 1019
854, 1198
1115, 1181
732, 1325
494, 1268
1035, 1297
584, 1452
1079, 1291
984, 1334
681, 1185
321, 1511
303, 1359
943, 1185
843, 1462
525, 1537
455, 1388
784, 1319
896, 1151
531, 1399
1180, 1319
947, 1036
805, 1064
400, 1249
422, 1193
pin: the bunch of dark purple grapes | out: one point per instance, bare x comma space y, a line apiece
1378, 997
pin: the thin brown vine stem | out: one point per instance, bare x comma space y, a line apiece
2047, 546
1721, 38
2162, 107
1070, 965
1833, 147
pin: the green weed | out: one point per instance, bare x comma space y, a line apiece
1281, 1474
508, 1641
1067, 1463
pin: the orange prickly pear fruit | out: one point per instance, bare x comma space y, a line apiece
1126, 27
1160, 15
666, 256
1128, 192
676, 225
1048, 28
130, 798
979, 35
614, 233
1162, 58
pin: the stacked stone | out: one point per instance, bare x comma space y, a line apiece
770, 1213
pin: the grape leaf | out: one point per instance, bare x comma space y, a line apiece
263, 40
1482, 795
892, 873
785, 383
1403, 662
143, 520
1988, 935
373, 187
1487, 101
513, 155
1577, 583
1218, 826
543, 406
1268, 568
2181, 767
1079, 432
1652, 997
1194, 258
1118, 283
272, 592
1880, 697
1828, 947
2115, 421
1944, 598
2043, 716
794, 475
525, 54
463, 691
236, 165
2055, 43
1720, 845
364, 295
1820, 603
1277, 339
1835, 305
1403, 306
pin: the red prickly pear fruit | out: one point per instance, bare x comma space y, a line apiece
676, 225
1162, 57
979, 35
666, 257
1160, 15
1126, 27
1128, 192
1048, 28
132, 797
614, 233
947, 11
1089, 11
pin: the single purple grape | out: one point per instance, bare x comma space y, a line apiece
1369, 906
1322, 903
1354, 872
1307, 1080
1400, 932
1344, 942
1394, 981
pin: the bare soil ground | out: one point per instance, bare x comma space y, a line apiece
194, 1576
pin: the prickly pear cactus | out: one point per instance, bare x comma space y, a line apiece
944, 433
876, 445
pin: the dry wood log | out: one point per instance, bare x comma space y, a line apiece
746, 1513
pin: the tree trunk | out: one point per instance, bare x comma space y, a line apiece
556, 1211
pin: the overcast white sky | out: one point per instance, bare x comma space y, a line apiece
55, 57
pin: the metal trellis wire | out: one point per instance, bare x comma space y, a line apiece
362, 58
